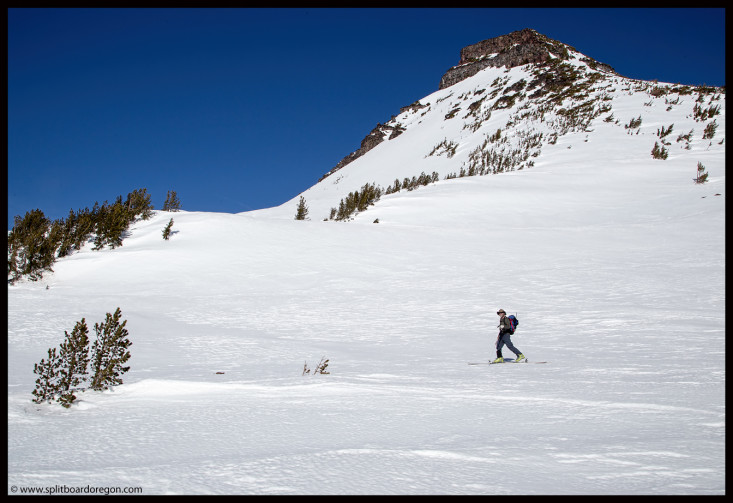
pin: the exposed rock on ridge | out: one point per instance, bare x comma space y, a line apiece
515, 49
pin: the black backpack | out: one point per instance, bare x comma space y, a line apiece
513, 322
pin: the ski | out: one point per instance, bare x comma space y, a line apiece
505, 361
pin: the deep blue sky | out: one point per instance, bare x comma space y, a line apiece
244, 109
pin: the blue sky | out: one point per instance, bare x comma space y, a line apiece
241, 109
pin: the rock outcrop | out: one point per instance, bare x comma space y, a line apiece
515, 49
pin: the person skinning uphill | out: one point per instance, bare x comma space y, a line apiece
506, 329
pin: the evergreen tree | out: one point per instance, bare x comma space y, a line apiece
109, 352
67, 240
111, 222
13, 267
35, 242
138, 204
29, 248
167, 230
172, 203
302, 212
357, 201
47, 384
73, 359
82, 228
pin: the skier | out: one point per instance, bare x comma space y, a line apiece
505, 338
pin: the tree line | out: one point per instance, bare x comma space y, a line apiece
35, 241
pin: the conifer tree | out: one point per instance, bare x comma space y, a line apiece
302, 211
109, 352
29, 247
167, 230
67, 239
138, 204
47, 384
73, 360
172, 203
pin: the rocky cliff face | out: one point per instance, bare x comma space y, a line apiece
515, 49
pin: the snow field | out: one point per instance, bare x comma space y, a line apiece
632, 401
613, 261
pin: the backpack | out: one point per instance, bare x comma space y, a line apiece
513, 322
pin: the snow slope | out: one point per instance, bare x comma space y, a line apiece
614, 262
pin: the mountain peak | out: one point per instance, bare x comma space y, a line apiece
514, 49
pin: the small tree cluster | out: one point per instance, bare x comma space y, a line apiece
685, 137
357, 201
659, 153
66, 373
702, 175
658, 91
703, 114
445, 147
710, 130
634, 123
412, 183
172, 203
665, 132
35, 241
32, 245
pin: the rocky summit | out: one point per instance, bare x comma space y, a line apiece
515, 49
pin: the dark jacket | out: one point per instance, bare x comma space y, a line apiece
505, 326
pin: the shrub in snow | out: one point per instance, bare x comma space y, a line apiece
702, 176
320, 368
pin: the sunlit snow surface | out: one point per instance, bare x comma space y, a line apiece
613, 261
